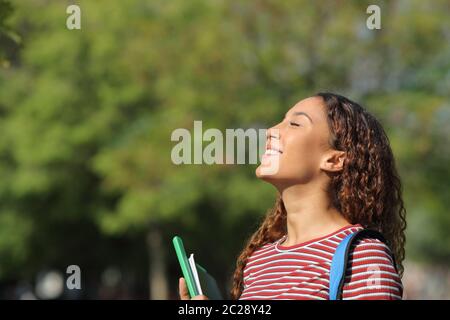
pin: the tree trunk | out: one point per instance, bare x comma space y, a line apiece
157, 266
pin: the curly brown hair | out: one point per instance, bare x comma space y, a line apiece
367, 191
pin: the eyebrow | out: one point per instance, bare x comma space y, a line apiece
298, 113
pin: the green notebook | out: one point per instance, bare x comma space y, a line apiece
198, 280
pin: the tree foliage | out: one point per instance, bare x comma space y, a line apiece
86, 118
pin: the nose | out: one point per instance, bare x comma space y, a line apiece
273, 132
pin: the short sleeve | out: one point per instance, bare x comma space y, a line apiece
371, 274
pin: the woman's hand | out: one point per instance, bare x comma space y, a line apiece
184, 292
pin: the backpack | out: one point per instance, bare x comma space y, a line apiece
340, 260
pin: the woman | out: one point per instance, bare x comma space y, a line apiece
332, 165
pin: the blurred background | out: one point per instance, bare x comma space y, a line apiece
86, 117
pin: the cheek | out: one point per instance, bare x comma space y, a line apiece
302, 153
301, 146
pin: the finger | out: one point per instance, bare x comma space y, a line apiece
183, 290
200, 297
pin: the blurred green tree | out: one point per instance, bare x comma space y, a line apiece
86, 119
8, 38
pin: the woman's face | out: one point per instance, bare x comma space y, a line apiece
297, 148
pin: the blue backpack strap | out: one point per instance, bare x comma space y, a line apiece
340, 260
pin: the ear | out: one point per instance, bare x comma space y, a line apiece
333, 161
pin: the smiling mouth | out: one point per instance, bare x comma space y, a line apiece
272, 148
272, 152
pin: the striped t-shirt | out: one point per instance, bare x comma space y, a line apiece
302, 271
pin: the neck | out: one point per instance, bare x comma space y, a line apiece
310, 214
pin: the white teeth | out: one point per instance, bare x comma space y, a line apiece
272, 152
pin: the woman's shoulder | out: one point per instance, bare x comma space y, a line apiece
371, 272
371, 247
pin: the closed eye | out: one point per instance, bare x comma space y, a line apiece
294, 124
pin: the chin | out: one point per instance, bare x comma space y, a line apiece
269, 167
264, 173
272, 179
280, 180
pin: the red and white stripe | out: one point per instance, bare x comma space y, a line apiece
302, 271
